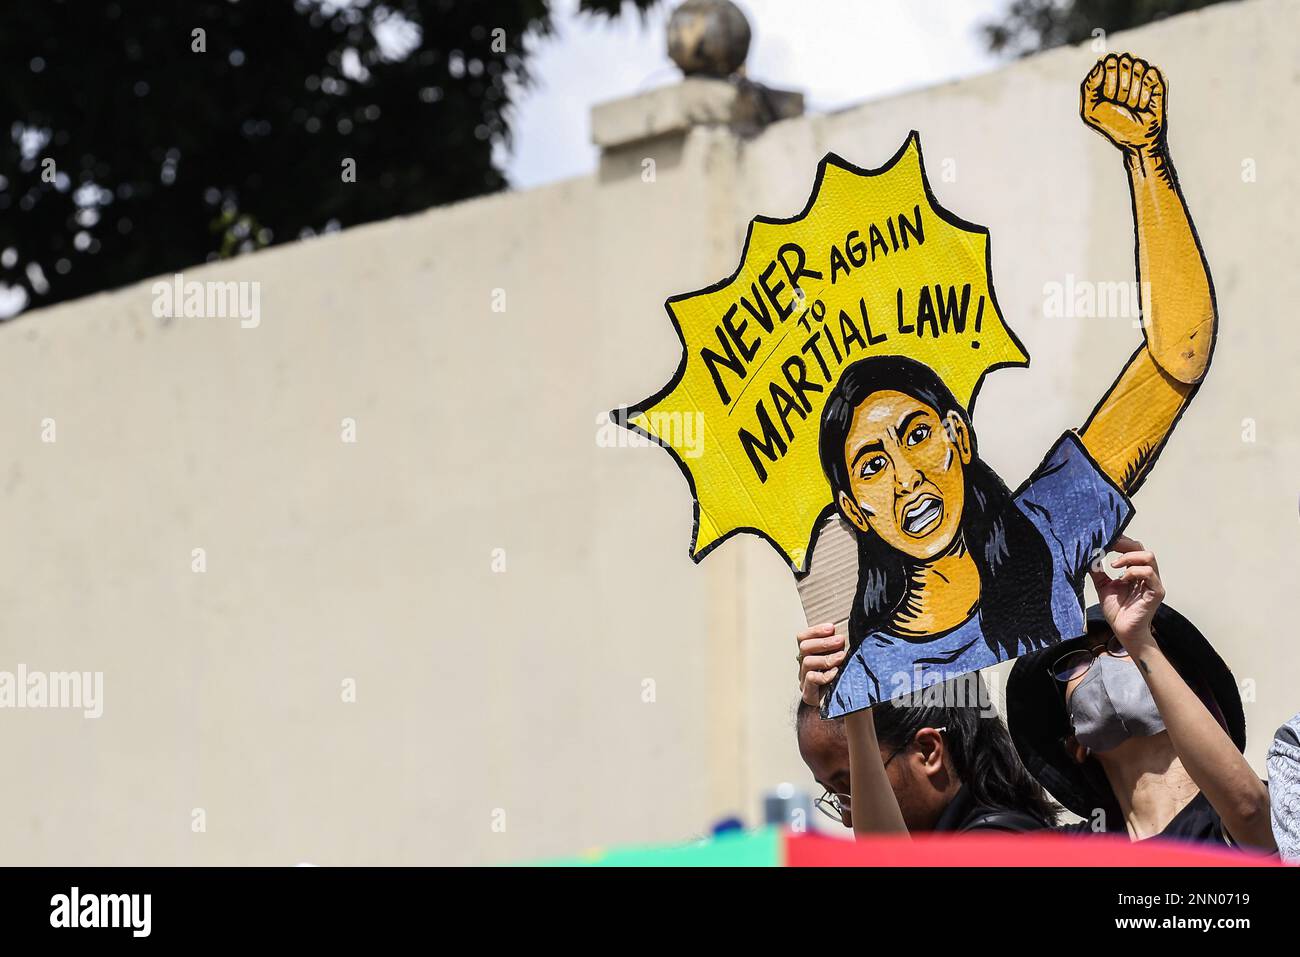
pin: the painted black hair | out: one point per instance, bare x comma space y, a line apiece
1013, 560
975, 740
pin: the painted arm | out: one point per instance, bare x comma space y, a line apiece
1206, 751
1123, 98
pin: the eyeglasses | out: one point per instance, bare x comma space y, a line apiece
1075, 664
834, 805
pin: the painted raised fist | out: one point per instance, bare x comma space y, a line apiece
1123, 98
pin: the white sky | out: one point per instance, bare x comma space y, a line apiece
836, 52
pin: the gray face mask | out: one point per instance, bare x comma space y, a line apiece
1112, 704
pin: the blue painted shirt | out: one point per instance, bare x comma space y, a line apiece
1077, 510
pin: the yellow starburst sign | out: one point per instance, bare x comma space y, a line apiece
872, 266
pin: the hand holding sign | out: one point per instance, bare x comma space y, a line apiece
821, 652
1130, 600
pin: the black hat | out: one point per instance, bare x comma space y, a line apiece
1039, 722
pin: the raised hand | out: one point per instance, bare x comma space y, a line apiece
1130, 601
820, 655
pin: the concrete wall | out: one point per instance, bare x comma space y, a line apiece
518, 697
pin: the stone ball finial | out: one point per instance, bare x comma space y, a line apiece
708, 38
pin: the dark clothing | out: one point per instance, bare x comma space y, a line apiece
964, 814
1198, 821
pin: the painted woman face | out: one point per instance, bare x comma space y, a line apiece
906, 473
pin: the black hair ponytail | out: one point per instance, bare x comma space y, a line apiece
976, 741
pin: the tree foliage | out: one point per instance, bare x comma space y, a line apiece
1029, 26
142, 137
